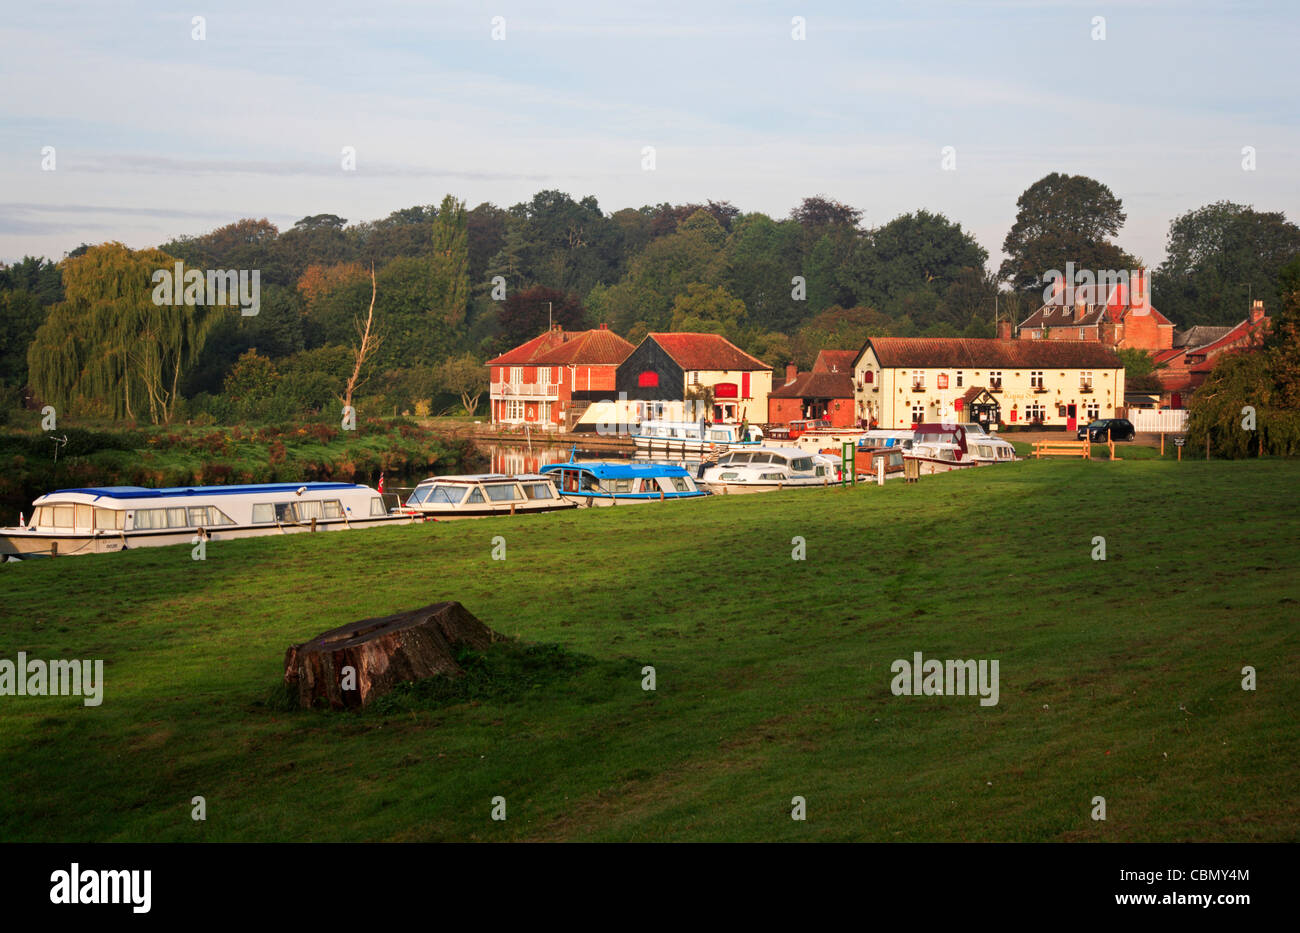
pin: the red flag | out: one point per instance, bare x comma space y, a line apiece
381, 481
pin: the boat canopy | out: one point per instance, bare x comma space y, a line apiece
140, 492
619, 470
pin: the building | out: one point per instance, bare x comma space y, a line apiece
1183, 367
902, 381
1118, 315
551, 380
674, 376
825, 392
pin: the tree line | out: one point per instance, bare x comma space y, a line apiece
456, 285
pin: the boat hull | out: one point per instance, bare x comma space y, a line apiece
23, 543
451, 514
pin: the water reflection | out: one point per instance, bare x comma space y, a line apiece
519, 458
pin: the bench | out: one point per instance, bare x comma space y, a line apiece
1081, 449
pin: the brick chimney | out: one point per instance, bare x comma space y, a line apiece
1256, 311
1004, 330
791, 373
604, 327
1139, 289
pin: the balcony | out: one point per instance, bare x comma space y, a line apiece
528, 391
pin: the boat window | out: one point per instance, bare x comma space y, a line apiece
761, 458
109, 519
377, 506
176, 518
62, 516
446, 495
199, 515
150, 518
309, 510
218, 517
476, 495
776, 476
820, 471
742, 458
502, 492
802, 464
729, 476
719, 435
262, 512
333, 508
85, 516
418, 496
679, 483
620, 485
778, 460
284, 511
538, 491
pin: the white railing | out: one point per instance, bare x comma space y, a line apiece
1159, 421
528, 390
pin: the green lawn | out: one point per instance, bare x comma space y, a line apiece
1119, 679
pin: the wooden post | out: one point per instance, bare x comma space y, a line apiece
313, 526
54, 549
1162, 443
880, 471
1207, 445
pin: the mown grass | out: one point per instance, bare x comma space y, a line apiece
1119, 679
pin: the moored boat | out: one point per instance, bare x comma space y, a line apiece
102, 519
694, 436
482, 494
594, 484
763, 469
940, 448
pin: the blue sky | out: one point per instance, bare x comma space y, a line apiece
157, 134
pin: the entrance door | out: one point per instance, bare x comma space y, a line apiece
1072, 416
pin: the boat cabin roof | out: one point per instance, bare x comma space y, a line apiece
484, 478
608, 470
169, 492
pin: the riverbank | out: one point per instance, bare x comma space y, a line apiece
1120, 678
33, 463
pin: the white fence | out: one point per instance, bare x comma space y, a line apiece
1161, 421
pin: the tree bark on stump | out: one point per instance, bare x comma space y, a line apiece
383, 652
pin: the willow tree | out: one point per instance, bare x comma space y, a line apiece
110, 343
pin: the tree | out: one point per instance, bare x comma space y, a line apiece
525, 314
450, 264
464, 376
109, 341
818, 213
364, 350
1060, 219
707, 309
1139, 370
21, 315
1218, 257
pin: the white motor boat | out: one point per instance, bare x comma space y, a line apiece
764, 469
683, 437
103, 519
481, 494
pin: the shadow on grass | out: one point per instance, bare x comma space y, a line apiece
506, 672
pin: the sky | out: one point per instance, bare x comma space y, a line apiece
156, 133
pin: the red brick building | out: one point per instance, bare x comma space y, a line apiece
825, 392
1185, 366
550, 380
1118, 315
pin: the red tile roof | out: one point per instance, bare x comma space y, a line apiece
835, 361
817, 385
971, 353
563, 348
706, 352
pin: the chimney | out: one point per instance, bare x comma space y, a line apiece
1256, 311
1004, 330
791, 373
604, 327
1140, 285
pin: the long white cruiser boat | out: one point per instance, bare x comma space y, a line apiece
481, 494
763, 469
693, 437
101, 519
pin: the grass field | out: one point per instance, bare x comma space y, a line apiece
1120, 679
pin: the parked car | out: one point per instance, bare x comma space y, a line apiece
1115, 429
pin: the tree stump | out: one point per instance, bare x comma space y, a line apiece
381, 653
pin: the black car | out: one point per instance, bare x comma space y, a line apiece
1115, 429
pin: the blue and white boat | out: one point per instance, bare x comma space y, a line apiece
101, 519
594, 484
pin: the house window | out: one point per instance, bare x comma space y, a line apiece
1036, 379
648, 379
868, 377
1085, 381
942, 380
995, 379
959, 379
1035, 412
1092, 410
516, 375
918, 413
514, 410
918, 379
1083, 334
695, 378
